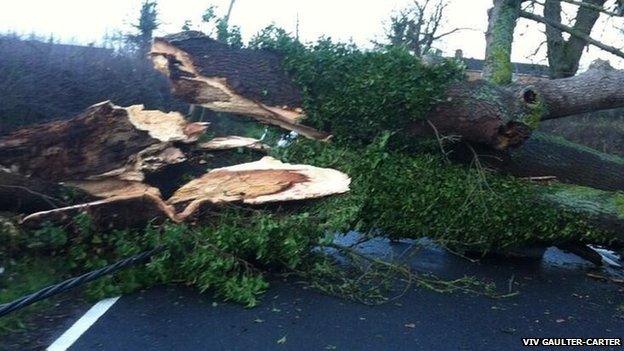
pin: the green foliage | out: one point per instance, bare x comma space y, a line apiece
146, 25
220, 27
405, 195
355, 94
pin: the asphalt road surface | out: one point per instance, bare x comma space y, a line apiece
556, 299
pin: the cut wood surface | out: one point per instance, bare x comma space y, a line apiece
264, 181
233, 142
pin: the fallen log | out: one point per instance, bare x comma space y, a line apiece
211, 74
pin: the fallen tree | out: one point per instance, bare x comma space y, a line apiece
257, 83
371, 116
497, 120
106, 140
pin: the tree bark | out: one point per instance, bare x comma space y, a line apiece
548, 156
599, 88
564, 55
499, 39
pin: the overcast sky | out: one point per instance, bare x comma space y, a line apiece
87, 21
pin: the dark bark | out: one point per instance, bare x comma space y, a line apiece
26, 195
564, 55
545, 155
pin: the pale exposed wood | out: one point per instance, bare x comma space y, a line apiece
216, 93
233, 142
131, 210
166, 127
264, 181
112, 187
104, 141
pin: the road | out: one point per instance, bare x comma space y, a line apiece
556, 299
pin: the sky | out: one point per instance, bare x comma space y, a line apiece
85, 21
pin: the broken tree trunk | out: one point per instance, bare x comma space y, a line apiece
249, 82
106, 140
129, 204
261, 182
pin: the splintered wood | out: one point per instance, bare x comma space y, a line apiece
264, 181
245, 82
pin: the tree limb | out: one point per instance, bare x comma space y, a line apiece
610, 49
589, 6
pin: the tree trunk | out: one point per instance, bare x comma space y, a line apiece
253, 83
549, 156
499, 39
564, 55
106, 140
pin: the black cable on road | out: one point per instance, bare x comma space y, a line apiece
76, 281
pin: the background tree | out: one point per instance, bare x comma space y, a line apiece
417, 27
563, 55
146, 25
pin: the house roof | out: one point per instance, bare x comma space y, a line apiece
519, 68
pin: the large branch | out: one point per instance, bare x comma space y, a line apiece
564, 55
206, 72
599, 88
106, 140
548, 156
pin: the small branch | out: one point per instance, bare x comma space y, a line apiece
610, 49
451, 32
593, 7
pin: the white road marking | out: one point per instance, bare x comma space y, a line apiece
72, 334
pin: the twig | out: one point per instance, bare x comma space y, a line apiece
46, 198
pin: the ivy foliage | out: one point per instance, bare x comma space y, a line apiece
400, 195
355, 94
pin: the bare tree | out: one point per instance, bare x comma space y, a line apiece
418, 26
563, 55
